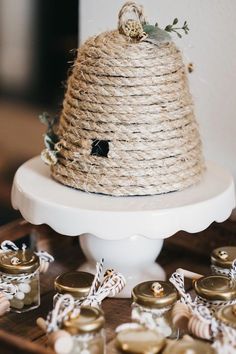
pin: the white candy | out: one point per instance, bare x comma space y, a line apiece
61, 341
28, 300
20, 295
17, 304
24, 287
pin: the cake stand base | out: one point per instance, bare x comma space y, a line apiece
134, 257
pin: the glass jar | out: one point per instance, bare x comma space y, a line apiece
75, 283
20, 269
152, 304
189, 345
227, 315
139, 341
215, 291
87, 331
222, 259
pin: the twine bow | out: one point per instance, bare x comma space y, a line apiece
7, 245
8, 289
177, 280
112, 283
232, 272
60, 312
45, 256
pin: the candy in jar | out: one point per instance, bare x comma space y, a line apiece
222, 259
152, 304
19, 274
87, 331
75, 283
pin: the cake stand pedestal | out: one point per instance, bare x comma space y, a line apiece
127, 232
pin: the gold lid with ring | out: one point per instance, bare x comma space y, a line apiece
223, 256
19, 262
186, 346
90, 319
74, 283
215, 287
140, 341
227, 315
155, 294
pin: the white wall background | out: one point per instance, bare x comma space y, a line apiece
210, 46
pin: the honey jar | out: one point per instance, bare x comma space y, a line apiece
75, 283
215, 291
152, 304
188, 346
19, 272
222, 259
139, 341
87, 331
227, 315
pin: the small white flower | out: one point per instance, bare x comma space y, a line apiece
49, 157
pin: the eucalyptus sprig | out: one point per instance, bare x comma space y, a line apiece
172, 28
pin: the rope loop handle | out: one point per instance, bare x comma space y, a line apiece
130, 20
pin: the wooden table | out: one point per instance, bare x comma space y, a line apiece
19, 333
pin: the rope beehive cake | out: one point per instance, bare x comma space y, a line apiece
128, 125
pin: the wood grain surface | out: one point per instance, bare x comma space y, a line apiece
19, 333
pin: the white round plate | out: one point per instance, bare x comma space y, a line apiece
41, 199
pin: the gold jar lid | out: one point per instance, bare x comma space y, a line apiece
223, 256
90, 319
215, 287
154, 294
188, 346
74, 283
227, 315
140, 341
19, 262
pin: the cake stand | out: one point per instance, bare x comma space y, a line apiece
127, 232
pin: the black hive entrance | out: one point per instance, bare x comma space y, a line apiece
100, 148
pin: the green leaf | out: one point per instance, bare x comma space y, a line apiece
175, 21
149, 28
168, 28
156, 35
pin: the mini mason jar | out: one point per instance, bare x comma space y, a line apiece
215, 291
87, 331
189, 345
222, 259
227, 316
140, 341
21, 269
75, 283
152, 304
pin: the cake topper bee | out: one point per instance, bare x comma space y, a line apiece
223, 255
157, 289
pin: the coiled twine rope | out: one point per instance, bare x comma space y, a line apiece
134, 96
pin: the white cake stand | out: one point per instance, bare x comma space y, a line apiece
127, 231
